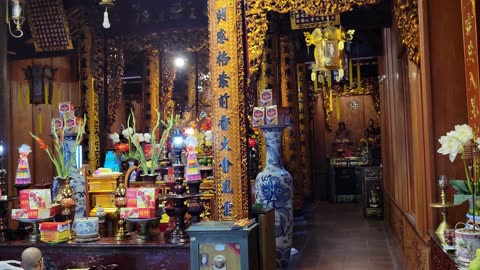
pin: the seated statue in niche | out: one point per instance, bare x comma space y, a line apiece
343, 142
372, 133
371, 142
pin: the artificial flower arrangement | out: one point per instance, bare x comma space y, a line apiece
462, 141
60, 155
205, 137
127, 148
149, 164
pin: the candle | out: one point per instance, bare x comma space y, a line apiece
441, 181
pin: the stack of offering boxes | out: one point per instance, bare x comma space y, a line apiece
36, 204
67, 120
55, 232
141, 203
267, 113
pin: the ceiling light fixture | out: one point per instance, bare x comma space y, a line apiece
179, 62
17, 16
106, 4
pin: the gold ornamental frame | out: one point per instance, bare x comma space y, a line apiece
257, 23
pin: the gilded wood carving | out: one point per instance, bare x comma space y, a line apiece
406, 18
256, 19
229, 128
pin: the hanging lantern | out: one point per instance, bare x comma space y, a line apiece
40, 82
331, 44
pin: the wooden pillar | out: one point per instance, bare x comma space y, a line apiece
470, 25
91, 97
291, 136
4, 102
228, 104
152, 90
168, 73
304, 127
269, 78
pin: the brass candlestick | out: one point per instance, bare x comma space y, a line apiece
67, 202
443, 226
120, 201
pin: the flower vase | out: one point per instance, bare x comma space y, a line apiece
133, 175
58, 187
274, 189
149, 179
473, 214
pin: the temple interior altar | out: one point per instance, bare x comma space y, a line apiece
141, 135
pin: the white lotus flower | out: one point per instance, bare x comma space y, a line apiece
147, 137
127, 132
115, 137
451, 146
138, 137
464, 133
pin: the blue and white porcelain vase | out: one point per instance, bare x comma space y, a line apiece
77, 180
274, 189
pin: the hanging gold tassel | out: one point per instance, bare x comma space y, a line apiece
40, 121
359, 79
350, 74
27, 94
329, 79
337, 105
45, 84
330, 100
315, 81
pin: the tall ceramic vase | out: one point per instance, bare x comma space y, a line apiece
274, 189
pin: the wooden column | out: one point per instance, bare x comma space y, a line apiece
228, 104
268, 78
4, 102
291, 136
470, 24
304, 126
152, 90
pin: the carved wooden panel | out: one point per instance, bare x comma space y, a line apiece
415, 249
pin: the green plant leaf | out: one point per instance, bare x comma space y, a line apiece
461, 186
460, 198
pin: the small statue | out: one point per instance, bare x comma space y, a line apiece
343, 141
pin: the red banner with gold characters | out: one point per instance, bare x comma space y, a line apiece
470, 49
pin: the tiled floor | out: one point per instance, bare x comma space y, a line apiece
339, 237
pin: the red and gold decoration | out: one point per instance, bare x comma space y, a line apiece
291, 135
48, 25
472, 67
229, 120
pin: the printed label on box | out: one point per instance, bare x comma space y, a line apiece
271, 115
142, 197
133, 212
266, 97
35, 198
258, 116
36, 213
